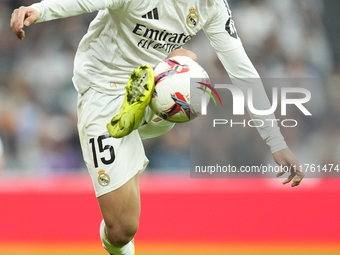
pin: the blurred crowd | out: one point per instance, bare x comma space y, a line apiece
284, 39
1, 154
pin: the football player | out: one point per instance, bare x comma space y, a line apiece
124, 35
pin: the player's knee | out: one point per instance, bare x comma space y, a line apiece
123, 234
183, 52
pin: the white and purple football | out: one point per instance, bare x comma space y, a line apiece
180, 83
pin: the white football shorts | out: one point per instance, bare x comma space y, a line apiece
111, 162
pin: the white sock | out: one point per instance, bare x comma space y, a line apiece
128, 249
155, 128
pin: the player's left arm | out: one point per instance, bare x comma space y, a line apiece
223, 36
290, 165
240, 69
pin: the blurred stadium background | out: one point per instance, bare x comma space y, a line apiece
47, 205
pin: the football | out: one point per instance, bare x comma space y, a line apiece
180, 83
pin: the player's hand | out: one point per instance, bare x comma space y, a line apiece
288, 161
24, 16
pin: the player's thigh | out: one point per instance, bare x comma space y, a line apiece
114, 164
121, 208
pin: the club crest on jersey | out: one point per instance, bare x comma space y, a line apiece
103, 178
192, 18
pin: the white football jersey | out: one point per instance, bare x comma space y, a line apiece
128, 33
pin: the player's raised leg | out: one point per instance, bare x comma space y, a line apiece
138, 95
184, 53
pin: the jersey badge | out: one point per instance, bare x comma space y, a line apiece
103, 178
192, 18
230, 28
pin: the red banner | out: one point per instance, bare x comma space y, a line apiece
175, 207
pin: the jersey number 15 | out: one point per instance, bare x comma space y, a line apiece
102, 148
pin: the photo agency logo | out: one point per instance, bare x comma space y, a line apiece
254, 100
230, 146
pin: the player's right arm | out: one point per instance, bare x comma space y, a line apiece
56, 9
23, 16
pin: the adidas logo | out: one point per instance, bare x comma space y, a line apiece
151, 14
